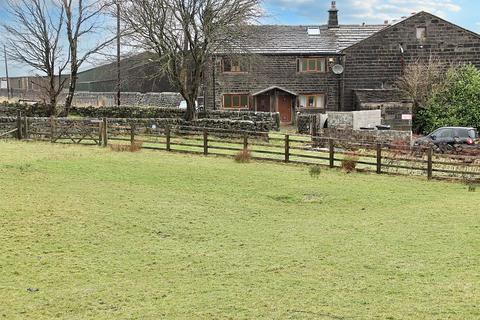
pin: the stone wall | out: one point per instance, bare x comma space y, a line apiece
354, 119
106, 99
393, 114
367, 136
122, 126
378, 61
304, 122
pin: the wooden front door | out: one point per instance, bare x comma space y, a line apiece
263, 103
285, 109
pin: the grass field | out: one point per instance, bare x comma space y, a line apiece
87, 233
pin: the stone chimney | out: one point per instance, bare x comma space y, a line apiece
333, 16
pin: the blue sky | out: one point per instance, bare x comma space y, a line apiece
462, 12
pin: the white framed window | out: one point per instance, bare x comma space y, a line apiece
312, 101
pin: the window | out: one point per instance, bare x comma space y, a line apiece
313, 31
235, 101
314, 100
234, 66
311, 65
421, 33
443, 133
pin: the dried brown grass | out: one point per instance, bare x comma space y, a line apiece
349, 162
133, 147
243, 156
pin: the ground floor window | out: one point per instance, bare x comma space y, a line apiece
235, 101
312, 100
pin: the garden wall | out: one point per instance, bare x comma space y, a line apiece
367, 136
234, 120
106, 99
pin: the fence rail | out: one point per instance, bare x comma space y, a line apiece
375, 157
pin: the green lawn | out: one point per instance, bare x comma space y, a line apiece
157, 235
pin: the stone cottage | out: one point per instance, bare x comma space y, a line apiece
332, 67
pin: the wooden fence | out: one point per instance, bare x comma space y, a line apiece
378, 157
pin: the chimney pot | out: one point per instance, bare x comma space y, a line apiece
385, 22
333, 16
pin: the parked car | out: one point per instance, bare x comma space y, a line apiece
450, 137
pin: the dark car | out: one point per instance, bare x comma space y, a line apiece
450, 137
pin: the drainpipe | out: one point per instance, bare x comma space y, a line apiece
213, 83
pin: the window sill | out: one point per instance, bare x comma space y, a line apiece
234, 72
311, 72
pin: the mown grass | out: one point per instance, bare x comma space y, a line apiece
88, 233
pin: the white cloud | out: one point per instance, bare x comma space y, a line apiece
371, 11
392, 9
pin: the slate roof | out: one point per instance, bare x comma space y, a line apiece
283, 39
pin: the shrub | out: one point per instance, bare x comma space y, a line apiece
349, 162
243, 156
315, 171
133, 147
456, 103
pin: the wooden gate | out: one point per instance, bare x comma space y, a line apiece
76, 130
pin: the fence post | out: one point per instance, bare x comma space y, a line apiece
313, 125
132, 134
52, 129
379, 158
205, 142
105, 131
19, 125
245, 141
25, 125
167, 132
429, 163
331, 150
287, 148
100, 133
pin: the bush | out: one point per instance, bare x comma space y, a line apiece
315, 171
349, 162
243, 156
456, 103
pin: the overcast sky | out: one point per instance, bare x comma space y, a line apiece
462, 12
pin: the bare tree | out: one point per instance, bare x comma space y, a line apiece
33, 38
82, 19
185, 34
420, 79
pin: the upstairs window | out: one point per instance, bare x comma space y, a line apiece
313, 100
313, 31
236, 101
234, 66
421, 33
305, 65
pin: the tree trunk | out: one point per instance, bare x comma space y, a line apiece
191, 110
71, 92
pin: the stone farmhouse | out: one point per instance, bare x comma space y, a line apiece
333, 67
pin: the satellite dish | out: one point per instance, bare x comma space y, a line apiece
338, 69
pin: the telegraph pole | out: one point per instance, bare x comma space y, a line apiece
6, 71
118, 54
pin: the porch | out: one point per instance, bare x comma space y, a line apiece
276, 99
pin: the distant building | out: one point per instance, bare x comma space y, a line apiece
138, 73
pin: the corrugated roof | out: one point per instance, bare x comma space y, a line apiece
284, 39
